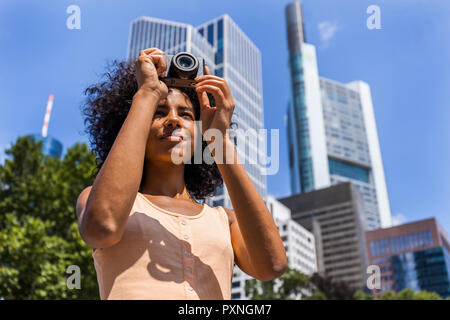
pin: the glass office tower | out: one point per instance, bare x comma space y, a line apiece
230, 54
331, 129
169, 36
238, 60
50, 146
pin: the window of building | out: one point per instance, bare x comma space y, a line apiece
219, 202
211, 34
348, 170
430, 238
236, 295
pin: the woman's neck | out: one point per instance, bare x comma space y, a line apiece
164, 179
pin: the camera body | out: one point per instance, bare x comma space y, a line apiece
182, 69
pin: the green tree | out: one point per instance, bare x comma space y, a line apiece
294, 284
331, 288
39, 236
409, 294
361, 295
290, 285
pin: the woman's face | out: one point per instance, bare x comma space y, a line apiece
172, 133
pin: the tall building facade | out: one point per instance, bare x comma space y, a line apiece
339, 211
414, 255
230, 54
299, 243
332, 131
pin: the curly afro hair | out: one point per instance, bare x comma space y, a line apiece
106, 108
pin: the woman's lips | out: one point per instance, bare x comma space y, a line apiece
172, 138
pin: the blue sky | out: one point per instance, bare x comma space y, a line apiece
406, 63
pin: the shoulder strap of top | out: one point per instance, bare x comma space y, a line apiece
223, 213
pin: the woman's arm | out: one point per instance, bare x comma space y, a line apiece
257, 245
103, 209
258, 248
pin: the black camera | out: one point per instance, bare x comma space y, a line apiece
182, 69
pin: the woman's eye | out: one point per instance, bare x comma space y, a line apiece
188, 115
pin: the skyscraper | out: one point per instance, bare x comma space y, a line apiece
50, 146
230, 54
331, 129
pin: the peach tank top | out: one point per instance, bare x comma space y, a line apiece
166, 256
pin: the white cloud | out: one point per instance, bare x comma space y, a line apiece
398, 218
327, 30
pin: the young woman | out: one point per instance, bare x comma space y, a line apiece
152, 239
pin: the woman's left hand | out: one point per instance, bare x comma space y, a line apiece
218, 117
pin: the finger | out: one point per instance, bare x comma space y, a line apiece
214, 82
203, 99
160, 63
207, 70
149, 51
208, 76
215, 91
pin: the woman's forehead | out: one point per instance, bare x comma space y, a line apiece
174, 96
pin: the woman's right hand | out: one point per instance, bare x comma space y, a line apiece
148, 67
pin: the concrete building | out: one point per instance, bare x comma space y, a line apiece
299, 244
331, 129
414, 255
339, 212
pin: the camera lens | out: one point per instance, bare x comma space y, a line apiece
186, 62
184, 66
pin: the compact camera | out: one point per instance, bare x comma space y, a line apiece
182, 69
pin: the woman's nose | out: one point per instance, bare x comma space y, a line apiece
172, 120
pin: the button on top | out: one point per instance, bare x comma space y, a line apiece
186, 237
183, 223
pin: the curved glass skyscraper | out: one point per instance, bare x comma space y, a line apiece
331, 129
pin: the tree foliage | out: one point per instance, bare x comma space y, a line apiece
294, 284
39, 236
409, 294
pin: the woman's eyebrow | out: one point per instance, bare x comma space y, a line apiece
186, 108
